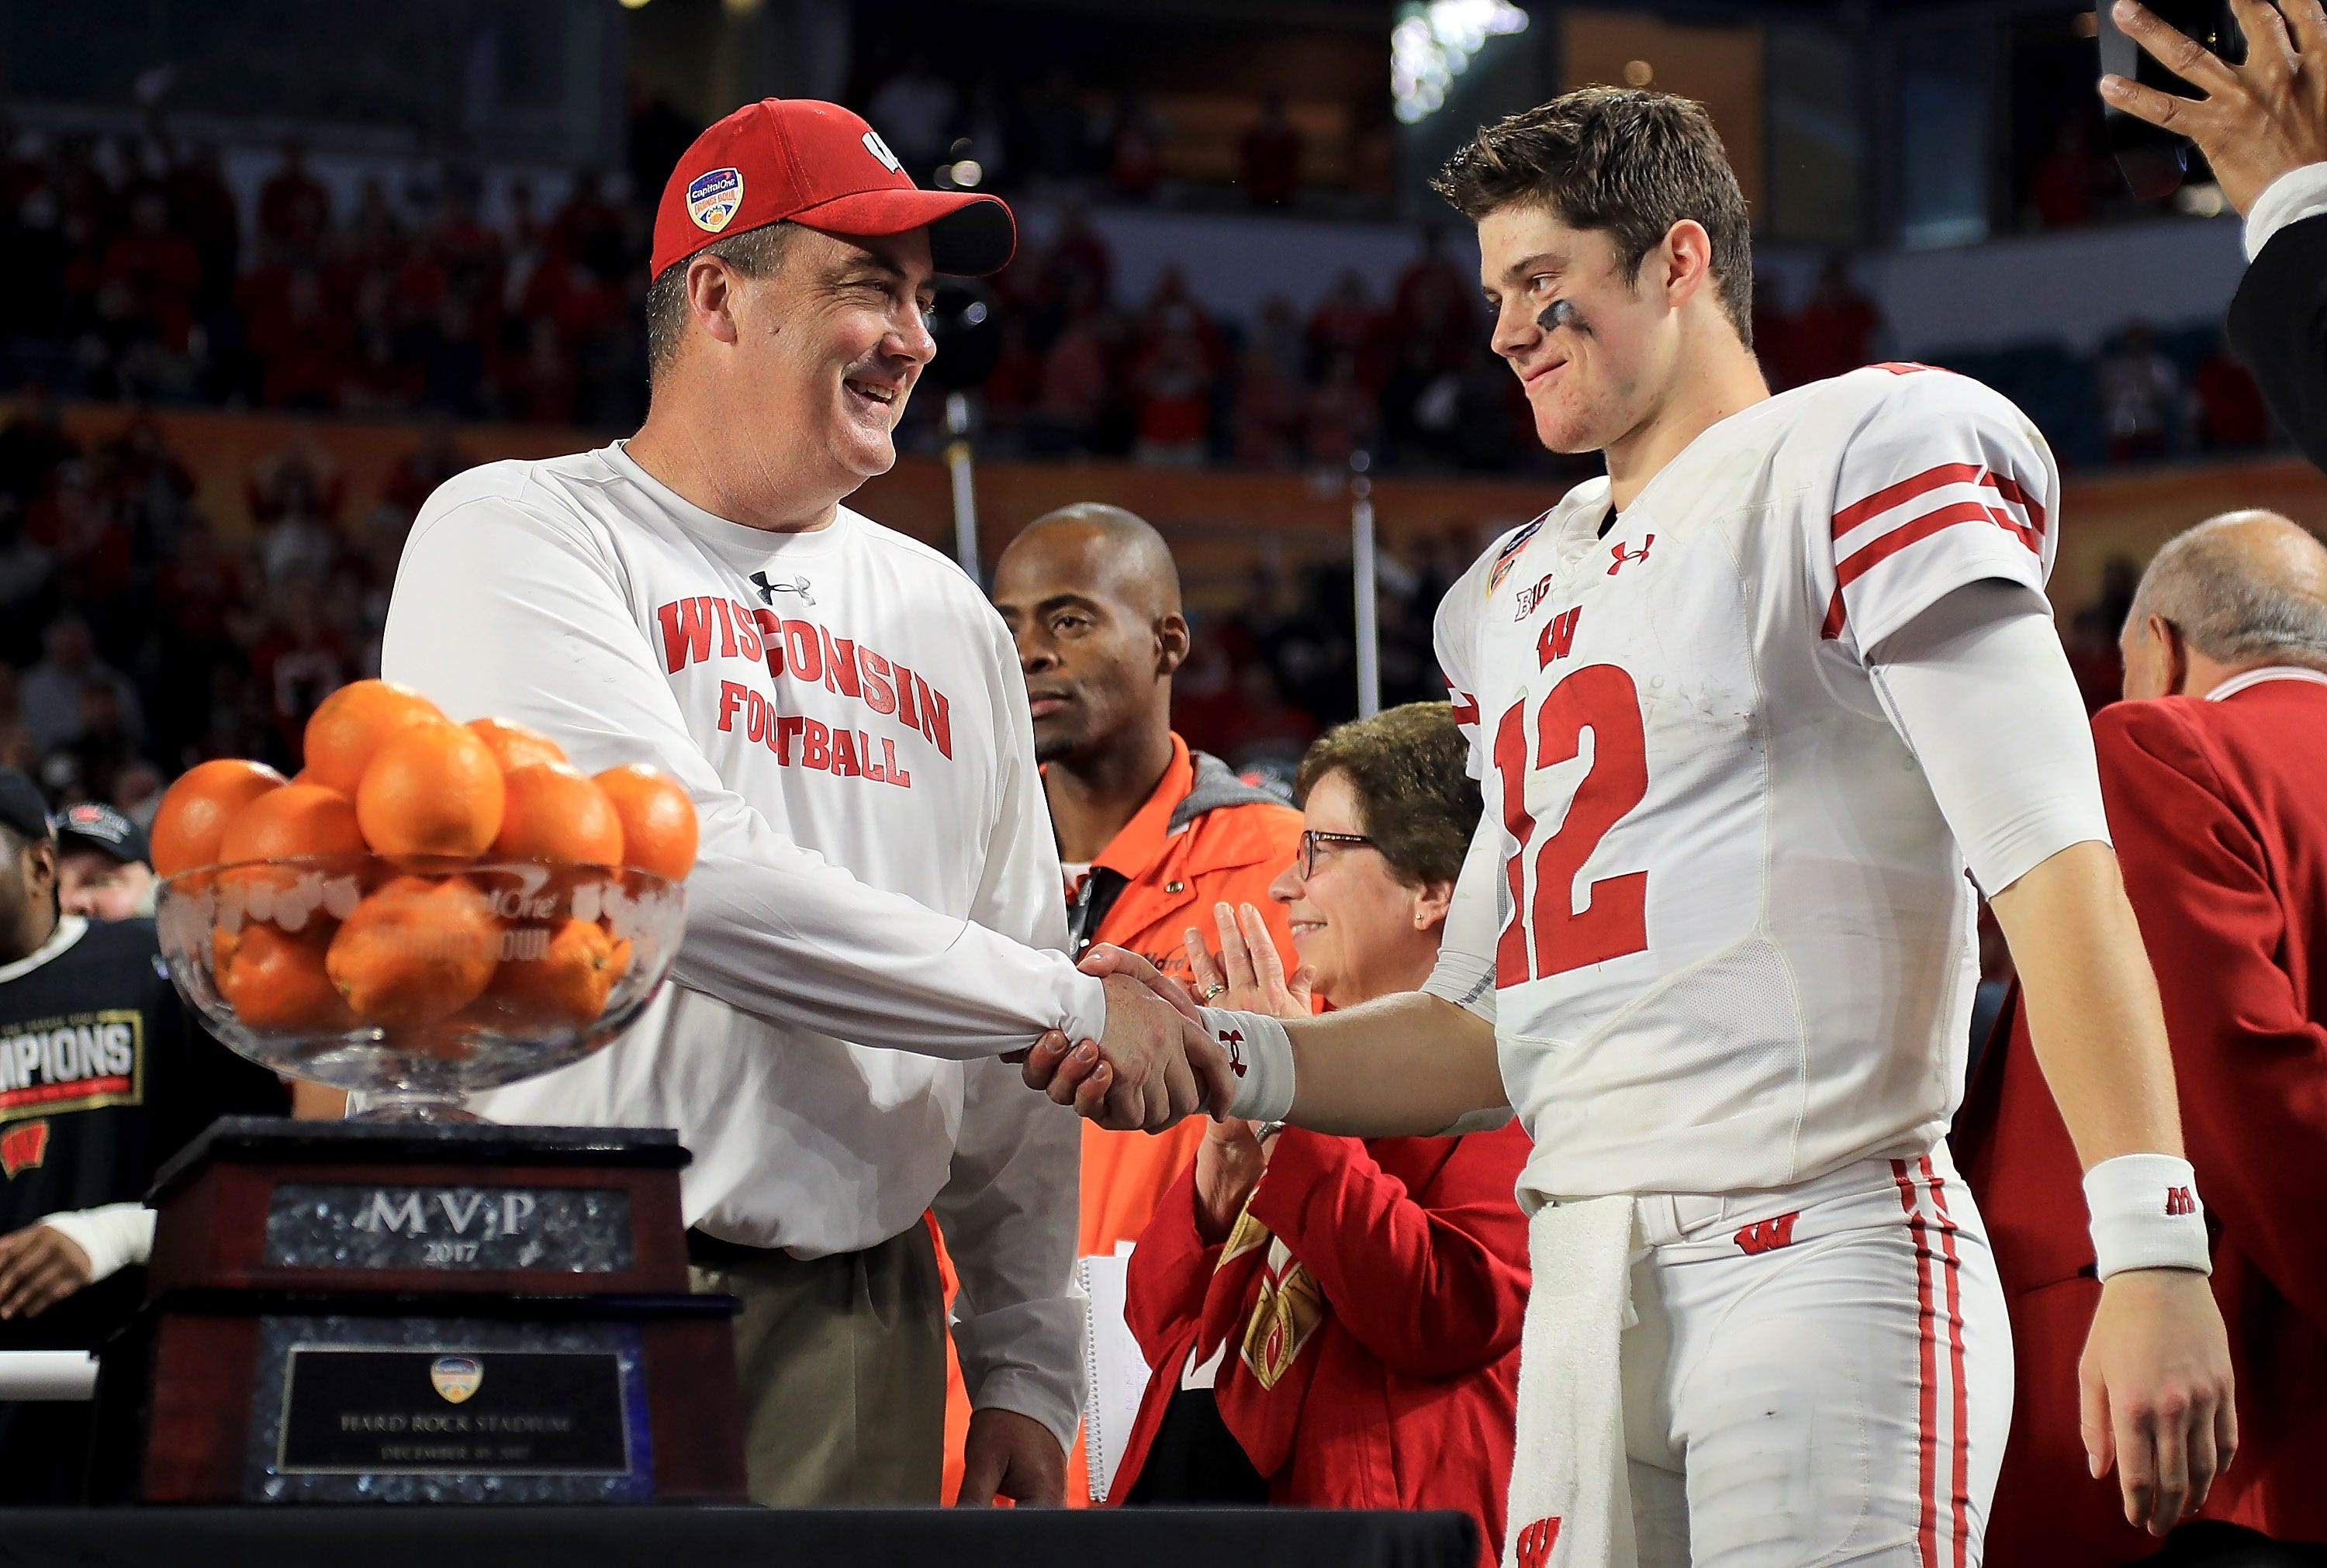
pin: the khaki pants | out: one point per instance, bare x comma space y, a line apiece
842, 1364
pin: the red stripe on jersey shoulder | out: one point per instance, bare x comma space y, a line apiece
1892, 497
1876, 551
1466, 707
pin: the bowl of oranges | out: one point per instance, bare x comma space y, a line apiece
428, 909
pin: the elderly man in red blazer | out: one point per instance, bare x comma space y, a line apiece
2214, 772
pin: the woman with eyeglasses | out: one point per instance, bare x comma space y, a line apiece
1334, 1322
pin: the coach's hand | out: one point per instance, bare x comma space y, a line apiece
1156, 1064
2155, 1393
1014, 1456
2258, 119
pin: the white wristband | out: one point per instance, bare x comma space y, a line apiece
2145, 1214
113, 1236
1260, 1054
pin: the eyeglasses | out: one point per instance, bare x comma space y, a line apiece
1311, 838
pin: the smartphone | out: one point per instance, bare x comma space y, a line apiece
2157, 162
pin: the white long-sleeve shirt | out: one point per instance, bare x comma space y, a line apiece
875, 914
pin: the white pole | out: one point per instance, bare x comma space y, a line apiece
965, 495
1361, 560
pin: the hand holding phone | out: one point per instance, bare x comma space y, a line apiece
2263, 104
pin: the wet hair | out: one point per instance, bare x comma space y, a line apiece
1628, 163
1405, 765
755, 253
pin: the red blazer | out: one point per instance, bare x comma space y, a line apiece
1409, 1394
2220, 814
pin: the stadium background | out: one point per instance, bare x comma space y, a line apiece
269, 271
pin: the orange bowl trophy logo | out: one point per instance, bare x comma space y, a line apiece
713, 199
455, 1378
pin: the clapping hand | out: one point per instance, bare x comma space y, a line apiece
2259, 118
1248, 975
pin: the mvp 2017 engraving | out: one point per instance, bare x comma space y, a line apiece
560, 1229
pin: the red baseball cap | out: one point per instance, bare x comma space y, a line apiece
818, 165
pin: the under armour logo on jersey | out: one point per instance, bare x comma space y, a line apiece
2178, 1201
1768, 1235
1558, 638
880, 149
1234, 1040
1535, 1542
768, 591
1624, 559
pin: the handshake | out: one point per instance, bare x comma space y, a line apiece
1155, 1063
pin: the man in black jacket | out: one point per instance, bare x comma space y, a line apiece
103, 1075
2263, 126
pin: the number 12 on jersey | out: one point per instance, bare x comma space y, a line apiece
1613, 919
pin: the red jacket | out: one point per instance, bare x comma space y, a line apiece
2220, 814
1402, 1393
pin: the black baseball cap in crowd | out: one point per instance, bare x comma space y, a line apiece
22, 809
90, 825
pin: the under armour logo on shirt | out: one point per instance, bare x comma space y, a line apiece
1624, 559
1234, 1040
768, 591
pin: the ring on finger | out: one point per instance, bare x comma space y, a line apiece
1214, 989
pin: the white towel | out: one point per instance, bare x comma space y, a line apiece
1571, 1503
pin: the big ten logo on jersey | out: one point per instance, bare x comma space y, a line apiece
800, 653
74, 1063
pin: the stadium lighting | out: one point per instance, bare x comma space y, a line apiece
1432, 43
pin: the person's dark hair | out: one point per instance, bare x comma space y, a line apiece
755, 253
1629, 162
1415, 801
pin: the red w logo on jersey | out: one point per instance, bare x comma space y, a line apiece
1624, 557
22, 1148
1768, 1235
1535, 1541
1558, 637
2178, 1201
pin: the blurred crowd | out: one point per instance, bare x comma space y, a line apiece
129, 270
136, 638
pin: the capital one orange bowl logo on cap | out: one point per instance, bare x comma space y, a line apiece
712, 198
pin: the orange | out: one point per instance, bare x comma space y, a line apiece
198, 808
514, 746
351, 725
432, 788
657, 819
279, 982
554, 813
295, 820
569, 983
416, 951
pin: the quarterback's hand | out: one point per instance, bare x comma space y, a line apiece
2155, 1388
40, 1266
1161, 1064
1014, 1456
2258, 119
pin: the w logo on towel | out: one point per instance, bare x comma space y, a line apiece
1535, 1541
1768, 1235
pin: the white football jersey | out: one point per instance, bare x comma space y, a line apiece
1721, 928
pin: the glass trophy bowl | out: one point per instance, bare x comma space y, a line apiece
413, 980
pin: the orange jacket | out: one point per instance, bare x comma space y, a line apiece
1204, 837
